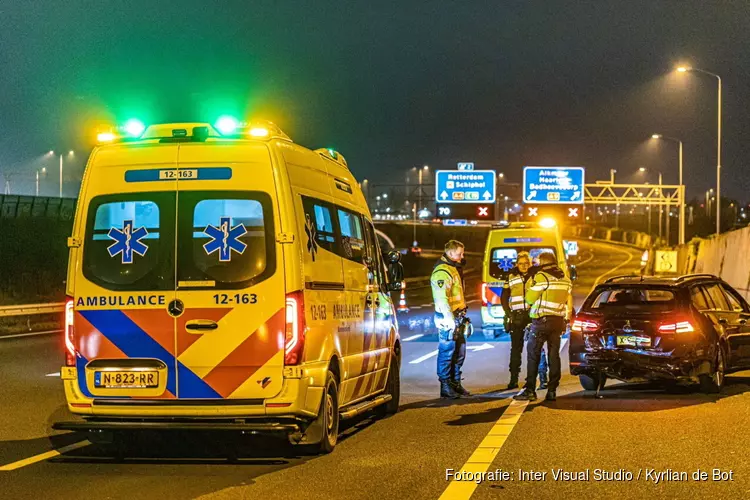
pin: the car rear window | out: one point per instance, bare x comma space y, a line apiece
503, 259
632, 298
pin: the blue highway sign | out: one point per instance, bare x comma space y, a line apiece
553, 185
465, 186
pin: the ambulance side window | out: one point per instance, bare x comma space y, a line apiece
129, 243
318, 222
352, 244
377, 265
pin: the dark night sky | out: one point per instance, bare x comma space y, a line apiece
500, 83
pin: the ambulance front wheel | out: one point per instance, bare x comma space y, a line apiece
392, 388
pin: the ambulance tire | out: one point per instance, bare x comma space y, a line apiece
328, 417
392, 387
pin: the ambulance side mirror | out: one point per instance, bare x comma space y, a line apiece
573, 273
395, 271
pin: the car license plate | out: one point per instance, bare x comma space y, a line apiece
126, 379
634, 341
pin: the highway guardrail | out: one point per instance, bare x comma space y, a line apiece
31, 309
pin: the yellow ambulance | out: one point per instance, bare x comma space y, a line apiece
504, 241
223, 277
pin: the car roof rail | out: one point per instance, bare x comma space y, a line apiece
622, 276
696, 276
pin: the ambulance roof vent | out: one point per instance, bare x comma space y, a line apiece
333, 155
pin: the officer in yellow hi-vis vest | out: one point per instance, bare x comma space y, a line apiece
450, 307
513, 299
548, 296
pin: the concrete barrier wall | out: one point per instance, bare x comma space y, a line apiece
726, 256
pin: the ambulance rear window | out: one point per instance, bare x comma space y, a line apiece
128, 241
503, 259
225, 237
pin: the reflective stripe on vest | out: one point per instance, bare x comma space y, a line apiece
517, 287
554, 295
454, 295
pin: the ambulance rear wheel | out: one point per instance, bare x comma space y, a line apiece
328, 418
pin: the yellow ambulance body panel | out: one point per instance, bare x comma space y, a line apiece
218, 280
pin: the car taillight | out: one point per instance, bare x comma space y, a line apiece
677, 327
483, 293
584, 325
70, 350
294, 341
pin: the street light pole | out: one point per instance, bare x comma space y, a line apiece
681, 237
661, 209
61, 177
684, 69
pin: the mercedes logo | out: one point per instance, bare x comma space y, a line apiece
176, 308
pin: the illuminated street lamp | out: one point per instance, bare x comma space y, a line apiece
681, 238
70, 153
685, 69
44, 171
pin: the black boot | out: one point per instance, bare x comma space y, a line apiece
525, 395
513, 384
459, 389
542, 381
446, 391
551, 395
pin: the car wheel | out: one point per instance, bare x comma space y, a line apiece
392, 387
712, 383
592, 382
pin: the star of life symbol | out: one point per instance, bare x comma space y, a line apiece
506, 264
225, 239
127, 241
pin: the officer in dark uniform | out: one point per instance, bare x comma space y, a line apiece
513, 300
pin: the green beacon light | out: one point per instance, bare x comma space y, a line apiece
134, 128
227, 125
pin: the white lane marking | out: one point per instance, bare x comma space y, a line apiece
562, 344
587, 260
482, 347
413, 337
56, 374
423, 358
630, 258
43, 456
32, 334
484, 455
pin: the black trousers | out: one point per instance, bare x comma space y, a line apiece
547, 329
519, 320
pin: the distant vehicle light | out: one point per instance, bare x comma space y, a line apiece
259, 132
227, 125
134, 127
105, 137
547, 222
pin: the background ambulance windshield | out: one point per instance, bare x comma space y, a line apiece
503, 259
224, 238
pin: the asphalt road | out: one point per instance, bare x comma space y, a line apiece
632, 430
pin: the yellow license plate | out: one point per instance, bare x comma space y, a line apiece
629, 340
127, 379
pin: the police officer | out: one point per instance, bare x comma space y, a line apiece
513, 300
448, 296
548, 296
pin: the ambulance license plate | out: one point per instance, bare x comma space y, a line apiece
631, 340
127, 379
